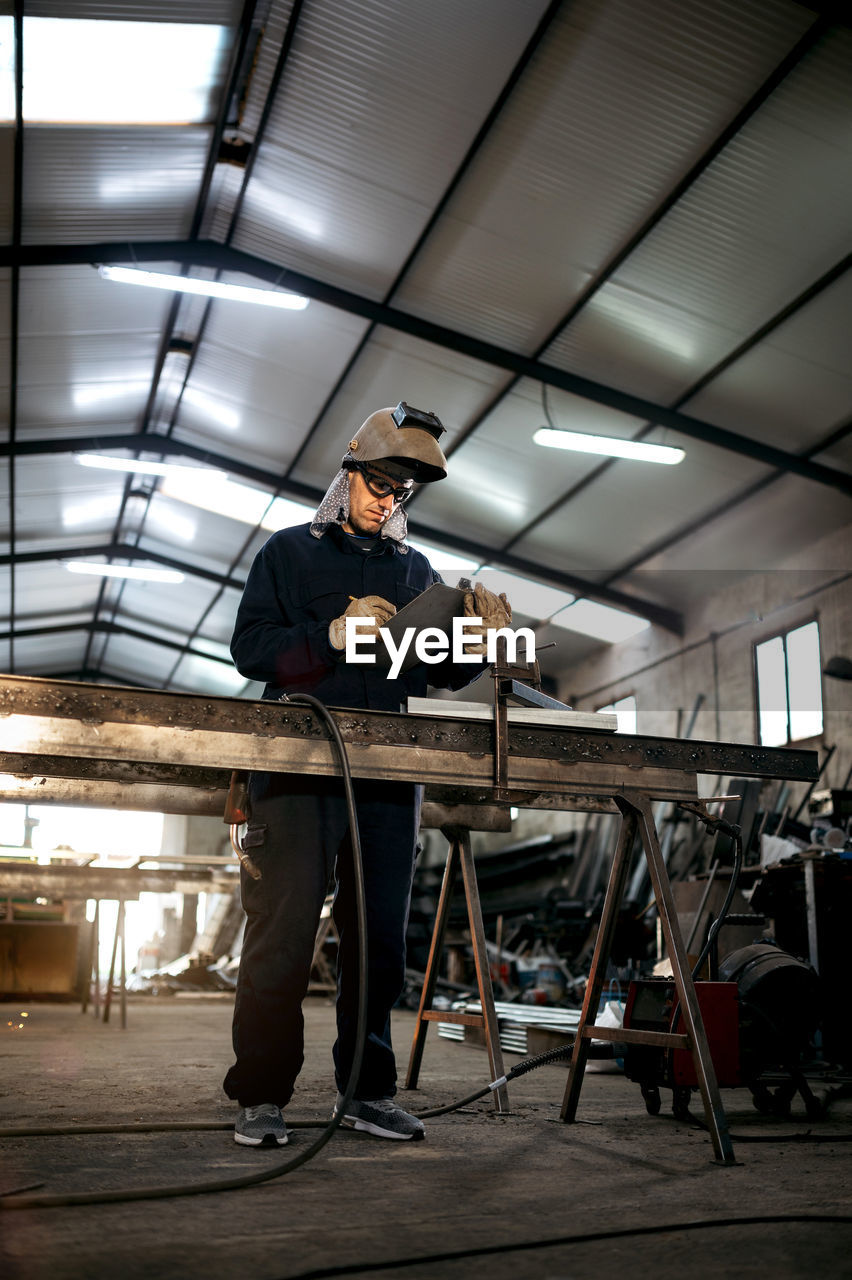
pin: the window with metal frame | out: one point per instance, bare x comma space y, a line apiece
788, 686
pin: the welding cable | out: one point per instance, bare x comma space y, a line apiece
809, 1136
12, 1200
363, 1268
736, 835
715, 824
520, 1069
180, 1126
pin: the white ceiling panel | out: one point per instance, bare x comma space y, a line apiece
7, 151
394, 367
769, 216
640, 344
126, 659
46, 591
221, 12
210, 541
56, 498
796, 385
218, 625
369, 138
644, 503
196, 589
267, 372
587, 148
759, 535
46, 655
111, 184
174, 607
5, 349
87, 351
347, 159
194, 672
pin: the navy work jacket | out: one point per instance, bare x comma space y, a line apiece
297, 585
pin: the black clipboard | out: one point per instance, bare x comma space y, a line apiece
434, 607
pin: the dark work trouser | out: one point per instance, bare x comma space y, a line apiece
298, 842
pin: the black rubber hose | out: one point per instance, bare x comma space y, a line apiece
521, 1068
736, 834
16, 1201
166, 1126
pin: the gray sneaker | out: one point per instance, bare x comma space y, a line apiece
261, 1125
382, 1117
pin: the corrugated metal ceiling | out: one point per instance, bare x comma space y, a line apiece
642, 204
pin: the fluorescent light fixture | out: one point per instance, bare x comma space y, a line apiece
123, 72
207, 288
105, 462
600, 621
124, 571
608, 446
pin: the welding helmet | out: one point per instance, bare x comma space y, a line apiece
404, 440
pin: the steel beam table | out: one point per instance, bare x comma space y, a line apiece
134, 748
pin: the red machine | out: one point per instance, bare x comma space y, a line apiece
651, 1007
759, 1022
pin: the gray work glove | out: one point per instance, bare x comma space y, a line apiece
374, 607
495, 611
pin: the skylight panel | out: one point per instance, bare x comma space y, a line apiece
89, 71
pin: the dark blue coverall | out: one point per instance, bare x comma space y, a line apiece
297, 833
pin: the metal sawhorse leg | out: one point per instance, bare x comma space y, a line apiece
635, 808
460, 856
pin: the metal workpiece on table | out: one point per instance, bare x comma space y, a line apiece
29, 880
113, 734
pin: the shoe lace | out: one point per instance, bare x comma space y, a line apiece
263, 1111
386, 1105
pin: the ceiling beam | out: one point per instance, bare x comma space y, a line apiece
122, 551
655, 612
243, 53
208, 253
102, 627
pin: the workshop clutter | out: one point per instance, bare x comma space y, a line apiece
773, 980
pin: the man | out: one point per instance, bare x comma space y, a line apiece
290, 632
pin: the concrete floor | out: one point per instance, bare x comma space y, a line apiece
484, 1196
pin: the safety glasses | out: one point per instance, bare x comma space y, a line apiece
380, 487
